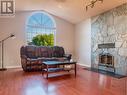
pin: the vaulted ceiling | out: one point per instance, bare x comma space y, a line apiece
70, 10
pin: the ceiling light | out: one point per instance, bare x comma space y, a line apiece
92, 3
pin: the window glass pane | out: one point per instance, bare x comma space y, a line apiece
40, 24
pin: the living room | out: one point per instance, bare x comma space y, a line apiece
89, 34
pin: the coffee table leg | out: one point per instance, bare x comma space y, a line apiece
42, 70
47, 71
75, 70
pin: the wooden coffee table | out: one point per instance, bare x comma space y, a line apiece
48, 65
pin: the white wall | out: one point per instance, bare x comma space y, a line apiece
65, 35
16, 25
83, 42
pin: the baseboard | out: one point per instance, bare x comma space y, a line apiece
84, 65
9, 67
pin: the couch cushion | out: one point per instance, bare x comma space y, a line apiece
31, 51
58, 51
61, 59
45, 52
47, 59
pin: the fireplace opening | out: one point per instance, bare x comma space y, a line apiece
106, 59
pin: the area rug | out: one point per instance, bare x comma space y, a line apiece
105, 73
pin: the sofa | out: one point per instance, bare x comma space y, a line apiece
32, 57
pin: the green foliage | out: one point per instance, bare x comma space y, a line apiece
43, 40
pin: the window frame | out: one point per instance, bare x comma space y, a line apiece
45, 13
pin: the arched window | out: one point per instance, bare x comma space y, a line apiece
41, 29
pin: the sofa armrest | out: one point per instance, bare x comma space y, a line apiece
32, 59
29, 59
68, 56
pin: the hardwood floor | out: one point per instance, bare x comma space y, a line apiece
17, 82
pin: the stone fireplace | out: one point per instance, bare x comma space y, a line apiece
109, 40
